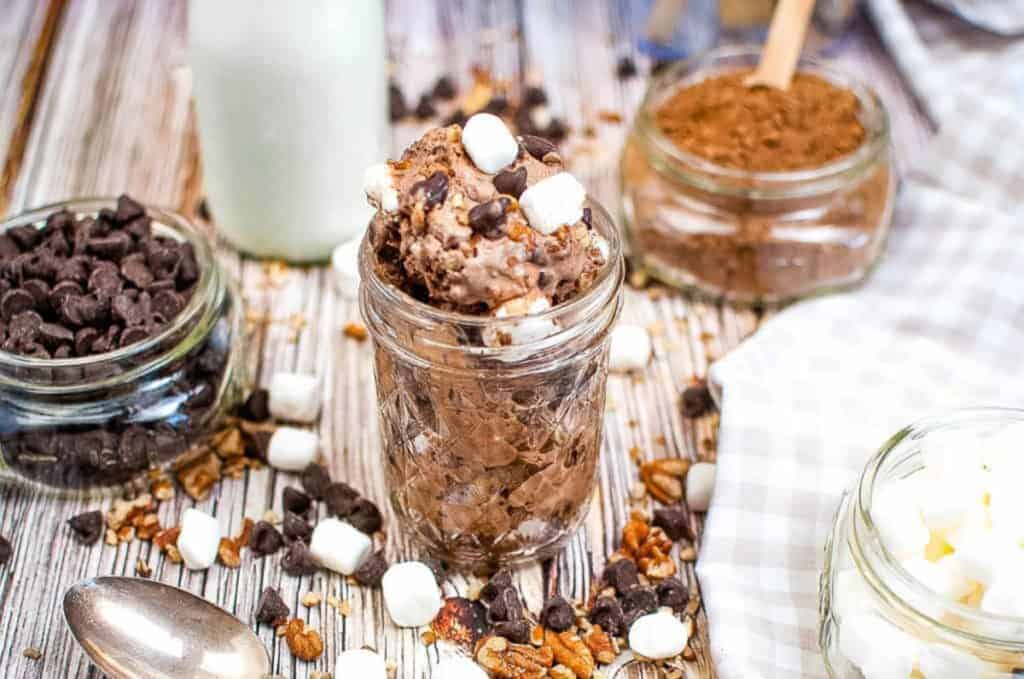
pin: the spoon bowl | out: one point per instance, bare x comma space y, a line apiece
140, 629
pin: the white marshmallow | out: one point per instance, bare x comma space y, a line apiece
983, 555
345, 266
938, 661
944, 577
1005, 596
292, 449
411, 594
880, 649
553, 202
362, 663
339, 546
528, 329
459, 668
700, 486
898, 517
630, 348
380, 188
659, 635
199, 539
489, 143
294, 397
601, 243
946, 502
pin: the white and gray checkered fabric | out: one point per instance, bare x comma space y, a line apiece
819, 387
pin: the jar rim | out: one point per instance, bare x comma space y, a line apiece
706, 175
886, 568
169, 223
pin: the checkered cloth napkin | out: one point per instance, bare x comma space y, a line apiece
822, 385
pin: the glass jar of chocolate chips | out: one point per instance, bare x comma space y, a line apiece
121, 343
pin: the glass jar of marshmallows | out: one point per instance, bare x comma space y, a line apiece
924, 569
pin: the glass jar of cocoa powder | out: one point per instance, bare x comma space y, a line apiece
491, 447
755, 205
91, 413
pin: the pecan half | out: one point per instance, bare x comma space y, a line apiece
664, 478
569, 650
506, 660
304, 642
601, 644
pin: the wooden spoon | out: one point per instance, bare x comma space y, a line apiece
782, 48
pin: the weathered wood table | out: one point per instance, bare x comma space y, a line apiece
95, 101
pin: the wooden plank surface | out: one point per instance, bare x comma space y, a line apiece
112, 114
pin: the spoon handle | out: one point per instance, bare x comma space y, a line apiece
782, 48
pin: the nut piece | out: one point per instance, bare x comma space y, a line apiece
506, 660
571, 651
304, 642
198, 477
664, 478
601, 645
649, 547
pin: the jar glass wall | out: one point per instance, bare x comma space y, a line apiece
91, 424
877, 620
491, 427
753, 237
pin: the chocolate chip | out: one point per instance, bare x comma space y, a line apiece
295, 527
88, 527
622, 575
497, 105
53, 335
341, 499
425, 108
140, 229
640, 599
444, 88
538, 147
257, 407
35, 350
271, 608
62, 290
163, 258
673, 521
40, 291
625, 68
84, 339
488, 219
127, 310
265, 539
499, 581
8, 247
188, 271
696, 400
256, 443
557, 614
556, 130
111, 247
26, 237
105, 281
366, 517
24, 328
458, 117
434, 188
516, 631
506, 606
371, 572
71, 269
168, 304
396, 103
672, 593
297, 560
316, 480
127, 210
607, 613
79, 310
535, 96
511, 182
14, 302
294, 500
588, 217
135, 269
5, 550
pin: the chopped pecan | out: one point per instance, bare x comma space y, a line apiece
167, 542
664, 478
571, 651
146, 526
506, 660
304, 642
649, 547
198, 477
123, 512
601, 645
228, 443
162, 489
230, 549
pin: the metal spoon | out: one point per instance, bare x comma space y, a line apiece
140, 629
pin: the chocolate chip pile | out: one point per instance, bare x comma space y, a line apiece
85, 285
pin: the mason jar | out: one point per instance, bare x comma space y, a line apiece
753, 237
94, 424
878, 620
491, 446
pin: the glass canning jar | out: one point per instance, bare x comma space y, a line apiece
90, 425
752, 237
491, 448
878, 621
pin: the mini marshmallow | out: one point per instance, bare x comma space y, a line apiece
379, 187
945, 502
880, 649
199, 539
898, 518
601, 243
1004, 596
630, 348
339, 546
528, 329
944, 577
939, 661
489, 143
459, 668
345, 266
294, 397
292, 449
659, 635
553, 202
411, 594
362, 663
700, 485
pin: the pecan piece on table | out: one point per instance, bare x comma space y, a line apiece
506, 660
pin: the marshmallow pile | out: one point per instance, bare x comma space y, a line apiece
957, 527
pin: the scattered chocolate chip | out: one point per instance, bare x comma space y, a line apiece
294, 500
257, 407
622, 575
297, 560
696, 400
538, 147
625, 68
557, 614
271, 608
371, 572
88, 527
607, 613
366, 517
341, 499
556, 130
672, 593
535, 96
673, 521
315, 480
425, 108
5, 550
511, 182
640, 599
488, 219
458, 117
434, 188
396, 103
296, 528
497, 105
265, 539
444, 88
516, 631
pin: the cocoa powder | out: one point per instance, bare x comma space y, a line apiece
763, 129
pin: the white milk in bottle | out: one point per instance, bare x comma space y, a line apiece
291, 97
